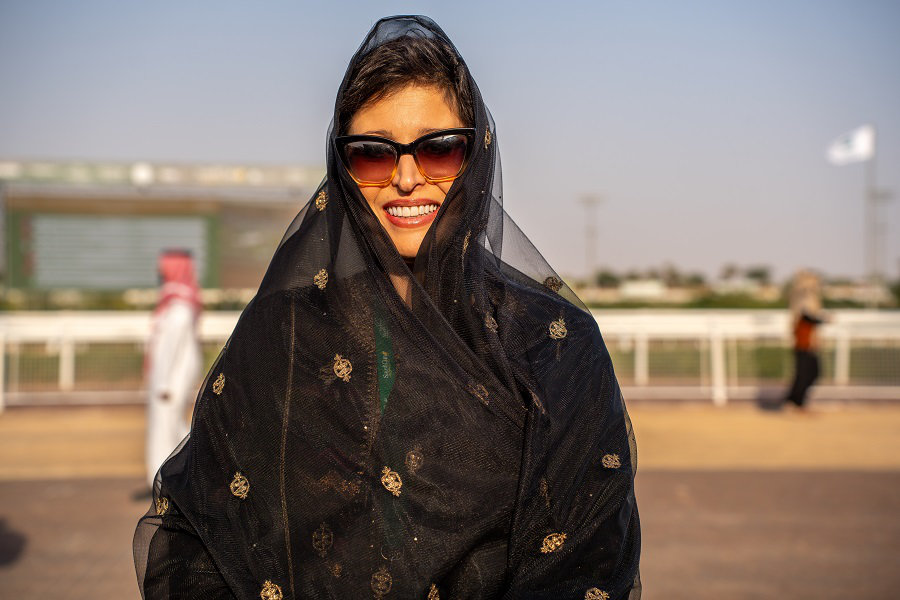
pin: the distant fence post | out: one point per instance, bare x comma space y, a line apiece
717, 366
641, 359
842, 357
67, 364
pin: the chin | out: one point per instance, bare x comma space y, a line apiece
408, 248
409, 252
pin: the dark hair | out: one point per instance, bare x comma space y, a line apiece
401, 62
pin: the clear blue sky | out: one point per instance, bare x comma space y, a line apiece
703, 124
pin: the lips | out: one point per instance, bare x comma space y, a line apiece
410, 213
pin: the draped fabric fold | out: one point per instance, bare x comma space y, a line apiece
465, 440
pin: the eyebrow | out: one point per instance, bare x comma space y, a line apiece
387, 134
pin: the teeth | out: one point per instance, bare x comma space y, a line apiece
411, 211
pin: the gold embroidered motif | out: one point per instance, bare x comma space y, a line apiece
491, 323
326, 373
342, 367
553, 283
321, 279
466, 241
391, 481
545, 491
336, 569
488, 138
479, 391
414, 460
322, 200
391, 555
219, 384
270, 591
333, 481
240, 487
553, 542
322, 539
558, 329
381, 582
162, 505
433, 593
611, 461
596, 594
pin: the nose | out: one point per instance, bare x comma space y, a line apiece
407, 177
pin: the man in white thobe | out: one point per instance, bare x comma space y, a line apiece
173, 358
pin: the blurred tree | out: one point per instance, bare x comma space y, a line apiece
759, 273
695, 279
607, 278
728, 271
671, 276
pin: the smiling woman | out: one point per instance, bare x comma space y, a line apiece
412, 91
405, 183
413, 405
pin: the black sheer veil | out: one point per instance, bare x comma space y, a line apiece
468, 440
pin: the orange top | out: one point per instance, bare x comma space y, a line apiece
804, 332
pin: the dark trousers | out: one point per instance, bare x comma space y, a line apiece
806, 371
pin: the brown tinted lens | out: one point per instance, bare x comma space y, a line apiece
370, 162
442, 156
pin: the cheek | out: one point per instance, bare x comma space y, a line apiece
371, 195
443, 188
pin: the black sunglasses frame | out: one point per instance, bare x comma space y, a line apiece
341, 143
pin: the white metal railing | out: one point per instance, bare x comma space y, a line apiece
714, 332
715, 329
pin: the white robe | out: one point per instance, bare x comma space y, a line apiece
174, 367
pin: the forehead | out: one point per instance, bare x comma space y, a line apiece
406, 114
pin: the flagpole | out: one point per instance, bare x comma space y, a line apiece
871, 193
858, 145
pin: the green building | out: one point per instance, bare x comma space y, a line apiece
101, 226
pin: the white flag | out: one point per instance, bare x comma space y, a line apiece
854, 146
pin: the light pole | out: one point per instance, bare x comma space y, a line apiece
590, 203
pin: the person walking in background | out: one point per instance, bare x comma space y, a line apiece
172, 363
806, 316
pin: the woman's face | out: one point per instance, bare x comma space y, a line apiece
404, 116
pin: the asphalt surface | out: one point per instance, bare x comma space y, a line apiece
734, 503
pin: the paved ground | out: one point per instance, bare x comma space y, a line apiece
787, 535
735, 503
